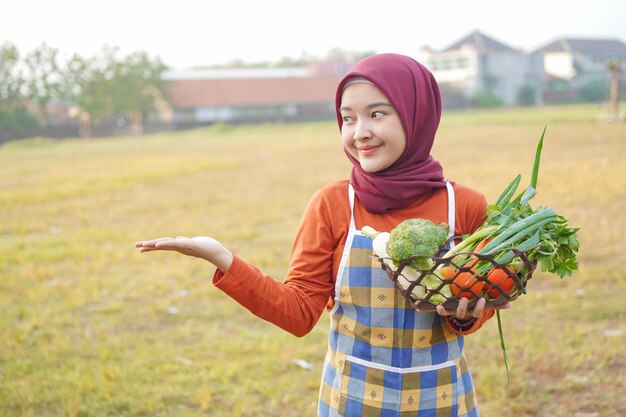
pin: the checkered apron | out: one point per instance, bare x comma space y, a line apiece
384, 358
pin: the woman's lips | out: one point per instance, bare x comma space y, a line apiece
368, 149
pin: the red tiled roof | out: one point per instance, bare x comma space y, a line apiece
189, 93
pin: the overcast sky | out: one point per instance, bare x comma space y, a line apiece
187, 33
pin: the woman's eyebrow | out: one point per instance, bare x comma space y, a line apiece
369, 106
379, 104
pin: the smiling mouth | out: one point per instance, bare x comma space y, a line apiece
368, 148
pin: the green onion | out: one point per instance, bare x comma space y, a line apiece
520, 230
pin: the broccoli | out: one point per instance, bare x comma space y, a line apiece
419, 238
413, 237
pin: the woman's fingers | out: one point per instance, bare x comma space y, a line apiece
478, 308
461, 309
462, 312
180, 242
203, 247
459, 312
196, 246
150, 243
163, 243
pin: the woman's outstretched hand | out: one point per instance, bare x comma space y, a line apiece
463, 313
200, 247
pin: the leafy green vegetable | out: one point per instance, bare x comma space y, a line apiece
513, 224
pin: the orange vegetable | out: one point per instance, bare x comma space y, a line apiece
482, 244
447, 272
500, 277
478, 247
466, 285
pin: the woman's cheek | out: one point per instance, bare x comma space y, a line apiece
347, 136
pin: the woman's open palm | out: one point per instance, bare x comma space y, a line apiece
200, 247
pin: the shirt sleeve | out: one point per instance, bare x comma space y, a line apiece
296, 303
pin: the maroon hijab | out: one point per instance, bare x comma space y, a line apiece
414, 93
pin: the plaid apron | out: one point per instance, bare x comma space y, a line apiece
384, 358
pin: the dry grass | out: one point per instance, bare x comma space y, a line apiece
88, 327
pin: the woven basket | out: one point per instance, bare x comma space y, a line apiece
412, 288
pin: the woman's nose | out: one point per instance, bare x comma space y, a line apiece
362, 130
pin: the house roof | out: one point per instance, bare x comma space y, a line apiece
480, 42
610, 46
189, 93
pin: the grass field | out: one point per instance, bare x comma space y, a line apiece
90, 327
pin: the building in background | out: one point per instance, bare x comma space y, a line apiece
578, 67
251, 95
480, 70
476, 70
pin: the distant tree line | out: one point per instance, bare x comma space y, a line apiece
39, 88
88, 90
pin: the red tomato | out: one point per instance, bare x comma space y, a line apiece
466, 285
499, 276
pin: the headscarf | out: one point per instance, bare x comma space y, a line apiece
414, 94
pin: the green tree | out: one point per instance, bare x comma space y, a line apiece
137, 86
107, 86
80, 92
43, 78
10, 77
95, 84
74, 79
13, 114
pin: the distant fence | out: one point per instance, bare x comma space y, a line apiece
73, 130
57, 132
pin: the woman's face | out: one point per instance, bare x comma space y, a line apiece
372, 131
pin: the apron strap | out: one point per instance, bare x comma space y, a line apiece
351, 197
346, 249
451, 209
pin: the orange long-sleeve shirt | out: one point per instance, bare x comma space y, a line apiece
296, 303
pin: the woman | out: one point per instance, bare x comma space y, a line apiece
384, 358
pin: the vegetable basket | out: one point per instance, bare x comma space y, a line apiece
499, 277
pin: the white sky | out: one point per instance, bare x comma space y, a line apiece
187, 33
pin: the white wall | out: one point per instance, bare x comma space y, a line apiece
466, 70
559, 64
509, 69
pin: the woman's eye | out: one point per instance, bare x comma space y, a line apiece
347, 118
377, 114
